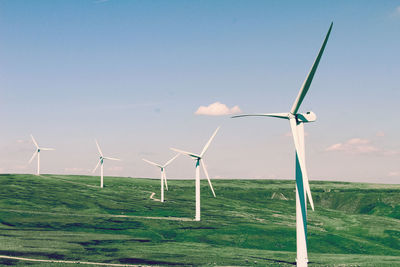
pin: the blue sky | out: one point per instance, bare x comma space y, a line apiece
133, 73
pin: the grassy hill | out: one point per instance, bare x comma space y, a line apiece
251, 222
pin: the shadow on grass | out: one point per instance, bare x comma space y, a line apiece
55, 256
151, 262
277, 261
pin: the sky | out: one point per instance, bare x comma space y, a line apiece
144, 76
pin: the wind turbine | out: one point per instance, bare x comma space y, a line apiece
37, 152
302, 186
199, 161
163, 175
101, 161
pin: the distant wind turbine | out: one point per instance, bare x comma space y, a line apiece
302, 186
37, 152
101, 161
163, 175
199, 160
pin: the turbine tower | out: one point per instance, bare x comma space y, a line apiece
297, 121
163, 175
37, 152
101, 161
199, 161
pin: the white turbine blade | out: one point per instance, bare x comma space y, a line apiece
34, 141
300, 154
208, 177
33, 156
193, 155
111, 158
171, 160
98, 147
44, 148
306, 84
152, 163
209, 142
275, 115
95, 168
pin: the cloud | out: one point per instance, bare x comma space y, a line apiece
397, 10
354, 146
217, 109
361, 146
393, 174
395, 13
380, 134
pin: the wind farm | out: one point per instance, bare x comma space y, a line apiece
186, 91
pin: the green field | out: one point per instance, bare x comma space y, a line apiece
251, 222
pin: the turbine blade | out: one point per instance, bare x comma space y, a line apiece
34, 141
275, 115
209, 142
44, 148
98, 147
171, 160
307, 82
208, 177
152, 163
186, 153
95, 168
33, 156
111, 158
300, 156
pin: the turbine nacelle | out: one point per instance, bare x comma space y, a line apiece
306, 117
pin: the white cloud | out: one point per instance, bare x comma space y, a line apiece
361, 146
397, 10
217, 109
393, 174
380, 134
354, 146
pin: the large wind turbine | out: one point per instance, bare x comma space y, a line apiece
37, 152
199, 160
302, 186
101, 161
163, 175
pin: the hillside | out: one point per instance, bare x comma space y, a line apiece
251, 222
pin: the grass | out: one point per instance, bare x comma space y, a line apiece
251, 222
